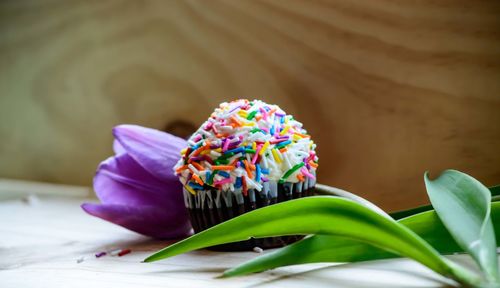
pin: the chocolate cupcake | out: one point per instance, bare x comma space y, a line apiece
247, 155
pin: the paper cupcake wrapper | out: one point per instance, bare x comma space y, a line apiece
211, 207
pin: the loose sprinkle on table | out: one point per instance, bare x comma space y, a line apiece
124, 252
100, 254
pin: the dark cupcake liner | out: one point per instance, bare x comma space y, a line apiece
210, 207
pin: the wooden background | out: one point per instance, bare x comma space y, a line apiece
388, 89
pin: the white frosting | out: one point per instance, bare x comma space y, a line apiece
229, 140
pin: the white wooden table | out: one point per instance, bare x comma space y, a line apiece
41, 241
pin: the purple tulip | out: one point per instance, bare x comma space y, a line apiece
137, 186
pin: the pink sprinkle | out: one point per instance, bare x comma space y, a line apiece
274, 141
226, 145
256, 155
209, 126
223, 181
197, 138
197, 158
311, 156
305, 172
264, 113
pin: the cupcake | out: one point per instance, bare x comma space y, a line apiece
247, 155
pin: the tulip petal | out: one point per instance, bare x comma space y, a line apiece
147, 220
118, 148
155, 151
121, 180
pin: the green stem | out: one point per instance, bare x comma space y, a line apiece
464, 276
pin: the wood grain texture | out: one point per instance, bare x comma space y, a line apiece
388, 89
39, 248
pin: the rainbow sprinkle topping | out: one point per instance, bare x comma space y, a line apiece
245, 144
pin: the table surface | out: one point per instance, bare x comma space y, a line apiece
42, 239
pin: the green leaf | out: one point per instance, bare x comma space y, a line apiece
463, 205
324, 248
328, 216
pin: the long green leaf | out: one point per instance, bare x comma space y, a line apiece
463, 205
324, 248
328, 216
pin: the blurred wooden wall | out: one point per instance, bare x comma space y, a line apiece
388, 89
